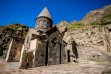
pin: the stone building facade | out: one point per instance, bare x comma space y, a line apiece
43, 45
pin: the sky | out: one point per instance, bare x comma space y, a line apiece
25, 11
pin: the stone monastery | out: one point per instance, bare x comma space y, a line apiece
44, 45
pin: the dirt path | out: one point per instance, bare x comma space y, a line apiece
70, 68
66, 69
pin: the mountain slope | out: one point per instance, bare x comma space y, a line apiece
96, 15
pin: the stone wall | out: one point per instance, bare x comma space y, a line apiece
15, 51
57, 54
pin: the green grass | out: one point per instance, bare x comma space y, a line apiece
94, 24
75, 26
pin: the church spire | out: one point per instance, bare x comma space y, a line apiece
45, 13
43, 20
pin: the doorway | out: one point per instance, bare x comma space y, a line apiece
68, 55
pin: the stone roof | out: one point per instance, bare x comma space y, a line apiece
45, 13
51, 30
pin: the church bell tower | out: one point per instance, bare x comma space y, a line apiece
43, 20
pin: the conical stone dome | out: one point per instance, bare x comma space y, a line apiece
44, 13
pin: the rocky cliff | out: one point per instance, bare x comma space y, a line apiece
96, 15
7, 33
92, 34
92, 41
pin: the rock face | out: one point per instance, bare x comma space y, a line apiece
93, 42
96, 15
7, 34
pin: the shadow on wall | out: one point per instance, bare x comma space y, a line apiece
72, 55
75, 49
107, 71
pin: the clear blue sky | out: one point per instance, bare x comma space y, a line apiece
25, 11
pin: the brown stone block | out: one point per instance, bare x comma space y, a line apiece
30, 64
23, 65
30, 56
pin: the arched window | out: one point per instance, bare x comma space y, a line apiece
45, 24
48, 24
40, 23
